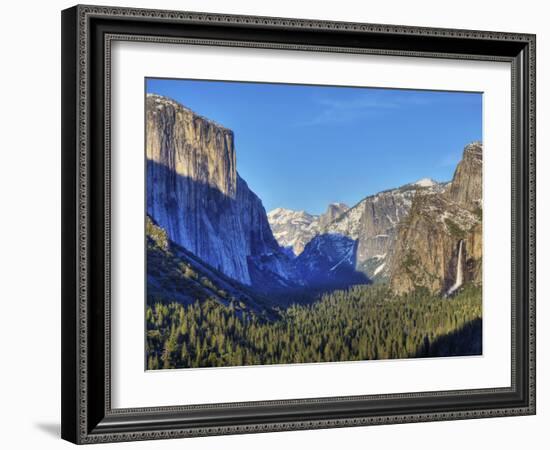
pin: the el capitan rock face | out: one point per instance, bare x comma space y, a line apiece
175, 274
195, 193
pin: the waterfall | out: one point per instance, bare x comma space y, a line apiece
459, 275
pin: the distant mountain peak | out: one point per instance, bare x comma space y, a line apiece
425, 182
338, 205
277, 211
294, 229
285, 212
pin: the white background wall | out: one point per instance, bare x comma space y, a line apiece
30, 223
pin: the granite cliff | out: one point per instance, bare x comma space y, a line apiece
439, 244
353, 243
466, 187
372, 223
195, 193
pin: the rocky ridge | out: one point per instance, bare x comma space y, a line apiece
428, 245
371, 225
294, 229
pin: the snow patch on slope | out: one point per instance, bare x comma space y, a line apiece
379, 268
425, 182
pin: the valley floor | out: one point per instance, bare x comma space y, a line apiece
360, 323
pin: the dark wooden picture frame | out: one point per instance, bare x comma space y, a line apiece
87, 34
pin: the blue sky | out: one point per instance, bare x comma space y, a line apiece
303, 147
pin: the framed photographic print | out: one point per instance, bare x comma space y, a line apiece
280, 224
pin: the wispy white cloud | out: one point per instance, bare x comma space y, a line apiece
331, 110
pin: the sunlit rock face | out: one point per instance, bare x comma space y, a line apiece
373, 223
466, 188
428, 246
195, 193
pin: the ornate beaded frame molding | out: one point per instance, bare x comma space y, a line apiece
86, 421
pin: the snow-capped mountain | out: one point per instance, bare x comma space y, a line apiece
425, 182
370, 225
294, 229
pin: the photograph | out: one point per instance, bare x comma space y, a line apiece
289, 223
284, 218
